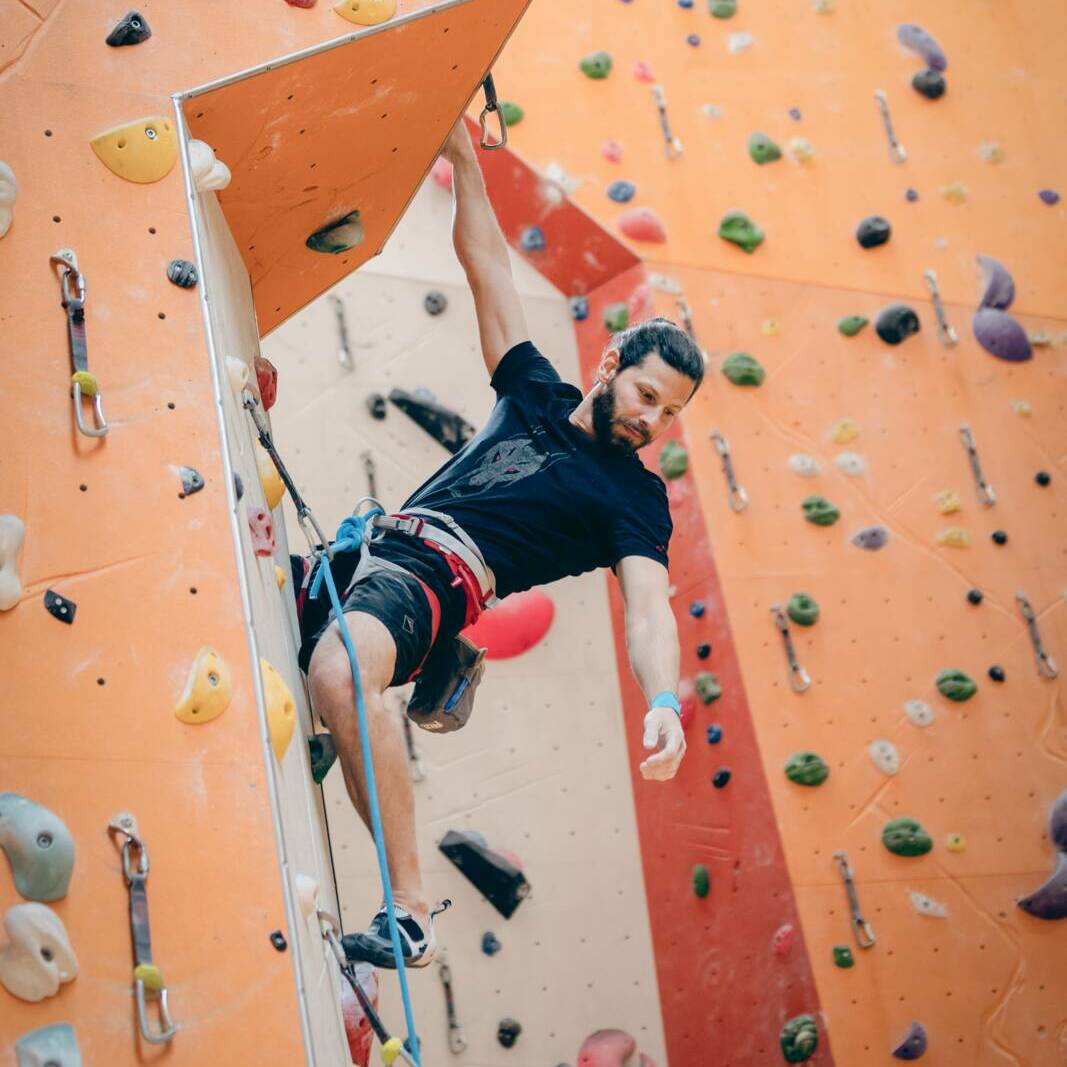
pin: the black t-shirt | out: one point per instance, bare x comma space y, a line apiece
539, 496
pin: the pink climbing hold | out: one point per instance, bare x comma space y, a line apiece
606, 1048
514, 626
689, 707
262, 527
646, 1061
642, 224
301, 3
357, 1025
267, 377
611, 151
782, 942
441, 172
639, 305
643, 71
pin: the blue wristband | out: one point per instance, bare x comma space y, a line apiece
667, 699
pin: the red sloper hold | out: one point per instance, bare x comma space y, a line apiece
642, 224
267, 376
300, 3
606, 1048
514, 626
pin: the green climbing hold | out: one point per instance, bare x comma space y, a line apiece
707, 687
673, 460
819, 510
616, 317
807, 768
722, 9
597, 65
851, 325
323, 753
843, 956
701, 880
905, 837
956, 685
512, 113
802, 609
799, 1038
743, 369
737, 228
762, 149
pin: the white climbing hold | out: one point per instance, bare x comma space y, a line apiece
711, 111
925, 905
801, 149
884, 756
9, 190
737, 43
919, 713
38, 957
991, 152
851, 463
804, 465
209, 173
237, 372
307, 895
12, 532
824, 7
557, 174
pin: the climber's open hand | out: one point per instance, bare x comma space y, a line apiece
458, 146
663, 731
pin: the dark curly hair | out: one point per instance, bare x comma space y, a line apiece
668, 340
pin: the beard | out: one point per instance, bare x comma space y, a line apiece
608, 429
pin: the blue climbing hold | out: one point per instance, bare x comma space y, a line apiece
532, 239
714, 733
703, 650
697, 609
621, 191
722, 776
490, 943
794, 114
911, 195
693, 40
579, 306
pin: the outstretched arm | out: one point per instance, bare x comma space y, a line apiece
483, 253
652, 644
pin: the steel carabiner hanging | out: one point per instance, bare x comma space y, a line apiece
1046, 665
491, 106
944, 331
860, 927
738, 497
986, 497
799, 678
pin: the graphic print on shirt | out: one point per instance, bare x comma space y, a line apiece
511, 460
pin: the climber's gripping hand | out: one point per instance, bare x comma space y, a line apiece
664, 737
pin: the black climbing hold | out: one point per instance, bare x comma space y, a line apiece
277, 939
896, 323
323, 753
339, 236
238, 486
435, 302
182, 273
697, 609
192, 481
579, 306
999, 537
974, 596
722, 776
59, 607
794, 114
1042, 477
130, 29
996, 673
376, 405
931, 83
447, 427
714, 733
911, 195
497, 879
873, 231
507, 1033
703, 651
490, 943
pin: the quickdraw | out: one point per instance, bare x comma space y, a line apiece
860, 927
72, 286
371, 471
492, 107
738, 497
457, 1043
672, 145
944, 331
798, 677
896, 149
1046, 666
344, 350
147, 977
986, 497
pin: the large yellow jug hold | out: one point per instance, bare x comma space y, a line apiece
208, 691
141, 151
273, 486
281, 709
366, 12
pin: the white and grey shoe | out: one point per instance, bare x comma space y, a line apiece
376, 946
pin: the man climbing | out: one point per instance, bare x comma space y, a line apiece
551, 486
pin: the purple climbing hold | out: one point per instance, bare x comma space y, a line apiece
914, 1044
1049, 901
1057, 822
911, 195
621, 191
917, 40
871, 538
697, 609
995, 330
532, 239
794, 114
1049, 196
715, 734
998, 286
693, 40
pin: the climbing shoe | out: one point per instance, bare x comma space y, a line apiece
376, 946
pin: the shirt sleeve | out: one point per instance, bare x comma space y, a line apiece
522, 365
642, 526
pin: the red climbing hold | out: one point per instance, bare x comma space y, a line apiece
442, 173
643, 71
301, 3
262, 529
689, 707
783, 939
642, 224
267, 376
606, 1048
514, 626
640, 305
357, 1025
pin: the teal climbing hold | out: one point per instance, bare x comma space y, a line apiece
851, 325
737, 228
722, 9
49, 1046
743, 369
819, 510
673, 460
597, 65
616, 317
906, 837
802, 609
513, 114
38, 846
843, 956
762, 149
799, 1038
323, 753
701, 880
807, 768
956, 685
707, 687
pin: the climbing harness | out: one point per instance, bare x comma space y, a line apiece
673, 146
986, 497
72, 286
798, 677
344, 351
456, 1042
860, 927
944, 331
896, 149
737, 497
491, 106
1046, 666
147, 977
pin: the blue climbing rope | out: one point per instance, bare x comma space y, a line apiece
350, 535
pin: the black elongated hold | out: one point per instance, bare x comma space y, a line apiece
59, 607
435, 302
192, 481
896, 323
931, 83
183, 273
447, 427
277, 939
238, 486
496, 878
873, 231
507, 1033
132, 28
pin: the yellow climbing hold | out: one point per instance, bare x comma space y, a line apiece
150, 975
207, 691
955, 842
954, 537
991, 152
273, 486
1022, 407
141, 151
390, 1050
770, 328
87, 381
843, 431
954, 192
947, 501
281, 709
366, 12
279, 576
801, 149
